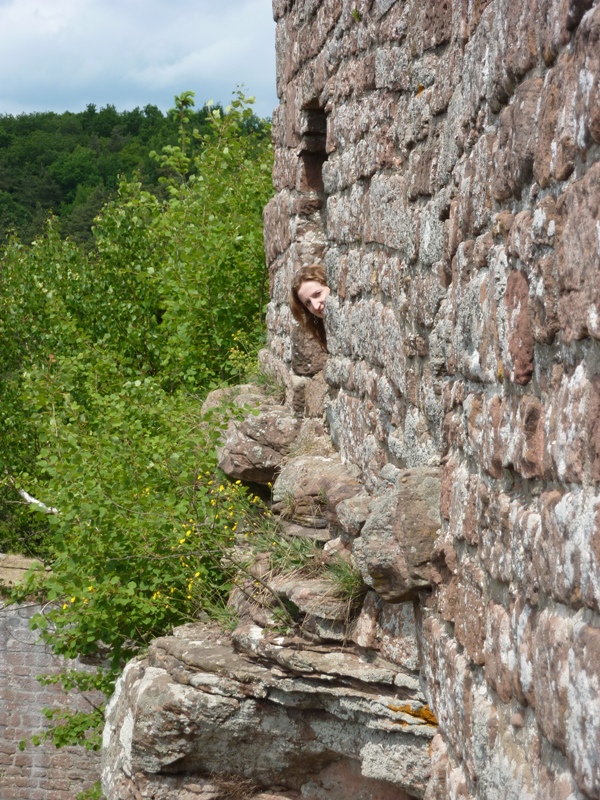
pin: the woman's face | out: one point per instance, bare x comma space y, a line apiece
313, 294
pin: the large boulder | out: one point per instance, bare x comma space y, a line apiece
395, 549
254, 444
254, 447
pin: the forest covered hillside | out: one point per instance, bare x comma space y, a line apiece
69, 164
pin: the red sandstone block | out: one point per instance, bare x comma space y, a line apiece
55, 784
17, 671
22, 759
448, 470
285, 169
276, 216
544, 302
492, 455
395, 22
593, 427
453, 431
462, 511
23, 781
60, 760
519, 333
529, 441
520, 238
436, 23
37, 794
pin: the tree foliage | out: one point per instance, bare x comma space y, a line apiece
105, 356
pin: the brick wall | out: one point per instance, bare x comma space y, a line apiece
443, 159
36, 773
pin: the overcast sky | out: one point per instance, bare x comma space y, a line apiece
60, 55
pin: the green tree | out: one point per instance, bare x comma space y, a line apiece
105, 355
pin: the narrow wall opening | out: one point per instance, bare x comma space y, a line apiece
307, 356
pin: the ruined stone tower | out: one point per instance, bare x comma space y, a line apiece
441, 158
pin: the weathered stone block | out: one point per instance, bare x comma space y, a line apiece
437, 23
277, 220
552, 646
254, 448
309, 488
396, 544
523, 620
515, 146
499, 650
519, 334
470, 613
397, 634
196, 695
578, 251
449, 680
565, 131
567, 548
583, 699
308, 355
495, 532
353, 513
566, 426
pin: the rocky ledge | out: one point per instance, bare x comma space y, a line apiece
329, 706
212, 715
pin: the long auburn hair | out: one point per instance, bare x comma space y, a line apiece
310, 323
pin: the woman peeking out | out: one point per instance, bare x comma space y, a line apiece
307, 300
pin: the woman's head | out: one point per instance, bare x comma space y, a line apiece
308, 294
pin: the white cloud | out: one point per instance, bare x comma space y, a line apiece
63, 54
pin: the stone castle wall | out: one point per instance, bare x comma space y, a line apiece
35, 773
442, 159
